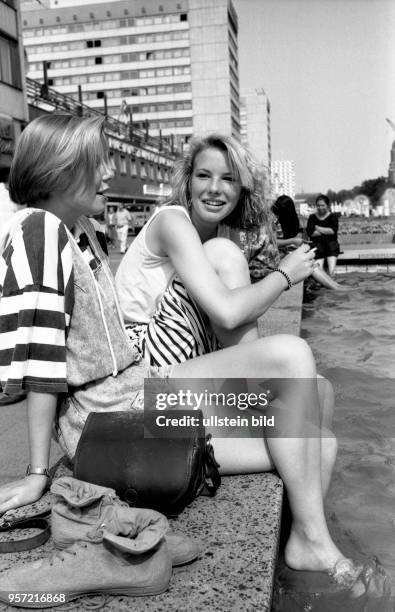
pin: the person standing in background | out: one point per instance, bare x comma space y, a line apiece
111, 234
123, 219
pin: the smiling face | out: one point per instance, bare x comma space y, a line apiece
215, 192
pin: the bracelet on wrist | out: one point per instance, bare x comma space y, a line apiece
285, 275
39, 471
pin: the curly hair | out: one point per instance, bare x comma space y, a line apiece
251, 210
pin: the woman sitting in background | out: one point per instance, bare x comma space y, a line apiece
284, 209
322, 228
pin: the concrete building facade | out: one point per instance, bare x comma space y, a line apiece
255, 125
283, 178
13, 105
171, 63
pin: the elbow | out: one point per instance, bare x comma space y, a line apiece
227, 320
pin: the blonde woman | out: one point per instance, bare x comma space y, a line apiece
184, 287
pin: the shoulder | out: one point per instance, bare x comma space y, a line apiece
41, 226
171, 213
173, 219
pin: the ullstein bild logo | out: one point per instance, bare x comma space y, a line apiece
214, 421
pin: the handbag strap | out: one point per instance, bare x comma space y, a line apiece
25, 543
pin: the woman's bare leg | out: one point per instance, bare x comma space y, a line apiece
331, 261
322, 277
231, 266
328, 440
297, 459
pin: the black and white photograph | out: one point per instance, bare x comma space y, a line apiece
197, 300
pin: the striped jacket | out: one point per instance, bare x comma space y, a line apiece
36, 302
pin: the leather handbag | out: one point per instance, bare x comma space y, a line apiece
146, 469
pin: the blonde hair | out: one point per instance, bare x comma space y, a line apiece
56, 153
252, 209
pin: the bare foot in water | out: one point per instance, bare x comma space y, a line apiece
304, 553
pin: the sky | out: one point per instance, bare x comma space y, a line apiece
328, 69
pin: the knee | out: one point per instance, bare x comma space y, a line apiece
227, 259
327, 399
292, 356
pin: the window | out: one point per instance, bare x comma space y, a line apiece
89, 44
133, 167
10, 70
122, 164
97, 43
98, 60
183, 17
143, 171
112, 162
100, 95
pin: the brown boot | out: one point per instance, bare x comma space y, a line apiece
85, 568
82, 511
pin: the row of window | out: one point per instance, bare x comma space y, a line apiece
124, 164
96, 26
162, 107
162, 124
142, 91
116, 76
10, 70
112, 59
115, 41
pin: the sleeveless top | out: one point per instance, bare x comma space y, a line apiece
143, 277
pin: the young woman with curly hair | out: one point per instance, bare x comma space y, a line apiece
184, 286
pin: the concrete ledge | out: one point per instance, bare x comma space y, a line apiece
285, 316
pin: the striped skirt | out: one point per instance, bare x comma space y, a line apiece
178, 331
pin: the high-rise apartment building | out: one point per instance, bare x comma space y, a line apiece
171, 63
13, 105
283, 178
255, 125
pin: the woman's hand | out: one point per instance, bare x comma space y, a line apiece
22, 492
299, 264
